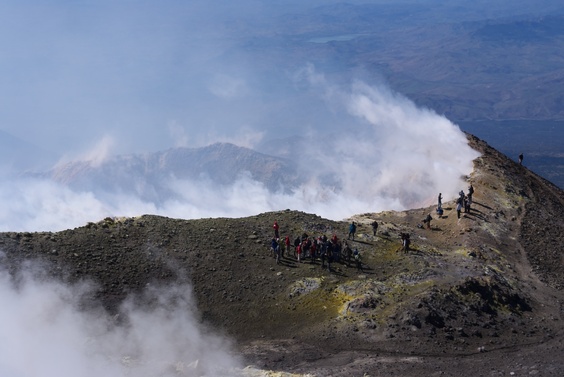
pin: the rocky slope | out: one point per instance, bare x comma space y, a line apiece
479, 295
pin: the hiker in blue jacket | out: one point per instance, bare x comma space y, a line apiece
352, 230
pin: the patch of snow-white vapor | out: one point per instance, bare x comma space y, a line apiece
45, 333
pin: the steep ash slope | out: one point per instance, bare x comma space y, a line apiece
479, 289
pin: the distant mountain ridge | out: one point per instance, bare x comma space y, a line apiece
147, 175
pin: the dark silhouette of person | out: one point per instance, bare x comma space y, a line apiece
405, 242
374, 227
521, 159
459, 202
428, 221
357, 259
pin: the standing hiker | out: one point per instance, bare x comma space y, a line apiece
323, 253
278, 252
467, 204
352, 230
357, 259
276, 227
312, 250
428, 221
405, 241
297, 243
287, 246
374, 227
273, 247
348, 254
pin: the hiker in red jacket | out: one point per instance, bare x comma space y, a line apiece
276, 227
287, 245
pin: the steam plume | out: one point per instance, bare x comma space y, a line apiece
45, 333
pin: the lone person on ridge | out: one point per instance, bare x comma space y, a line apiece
374, 227
352, 230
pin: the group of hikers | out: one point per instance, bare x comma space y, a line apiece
333, 250
352, 229
320, 248
463, 201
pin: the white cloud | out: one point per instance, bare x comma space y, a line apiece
95, 155
45, 334
388, 154
390, 151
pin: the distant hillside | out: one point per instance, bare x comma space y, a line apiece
539, 141
148, 176
497, 69
458, 61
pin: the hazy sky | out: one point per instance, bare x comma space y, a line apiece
147, 74
152, 75
75, 72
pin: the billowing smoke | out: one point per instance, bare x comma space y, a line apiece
45, 332
391, 154
381, 152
